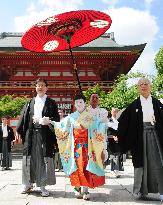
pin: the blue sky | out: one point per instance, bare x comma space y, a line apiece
133, 21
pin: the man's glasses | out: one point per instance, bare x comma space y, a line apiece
143, 84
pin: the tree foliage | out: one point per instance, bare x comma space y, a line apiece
123, 92
11, 106
157, 86
159, 61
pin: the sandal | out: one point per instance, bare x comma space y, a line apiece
78, 193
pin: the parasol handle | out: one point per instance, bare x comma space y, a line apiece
75, 68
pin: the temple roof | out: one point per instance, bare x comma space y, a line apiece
12, 42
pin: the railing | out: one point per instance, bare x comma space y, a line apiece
54, 84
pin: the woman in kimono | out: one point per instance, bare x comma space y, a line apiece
81, 139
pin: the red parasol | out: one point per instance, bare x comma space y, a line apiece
66, 31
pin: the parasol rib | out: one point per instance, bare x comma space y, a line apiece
75, 68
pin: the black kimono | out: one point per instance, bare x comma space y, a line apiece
5, 147
145, 140
39, 144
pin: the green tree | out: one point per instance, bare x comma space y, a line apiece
123, 92
157, 86
159, 61
11, 106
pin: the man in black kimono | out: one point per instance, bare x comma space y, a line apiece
39, 140
6, 140
140, 130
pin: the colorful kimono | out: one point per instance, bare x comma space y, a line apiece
81, 139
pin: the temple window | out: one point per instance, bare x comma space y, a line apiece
28, 74
67, 74
20, 73
43, 74
82, 73
56, 99
55, 73
90, 73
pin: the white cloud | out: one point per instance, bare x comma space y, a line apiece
148, 4
145, 63
62, 5
110, 3
31, 7
133, 26
43, 9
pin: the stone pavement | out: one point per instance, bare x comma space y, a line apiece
115, 191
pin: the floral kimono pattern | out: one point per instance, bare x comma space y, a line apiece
81, 139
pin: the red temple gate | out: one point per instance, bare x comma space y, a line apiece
98, 62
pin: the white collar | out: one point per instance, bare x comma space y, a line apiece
4, 126
114, 119
43, 98
143, 99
